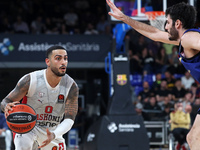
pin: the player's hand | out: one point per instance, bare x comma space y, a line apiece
50, 137
9, 108
116, 12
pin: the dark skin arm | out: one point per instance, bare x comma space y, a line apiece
15, 95
71, 109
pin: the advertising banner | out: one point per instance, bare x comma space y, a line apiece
32, 48
117, 132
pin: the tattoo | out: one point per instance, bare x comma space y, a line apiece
71, 106
18, 92
4, 102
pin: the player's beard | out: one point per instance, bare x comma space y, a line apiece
56, 72
174, 34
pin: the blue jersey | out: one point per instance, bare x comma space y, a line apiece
3, 123
192, 64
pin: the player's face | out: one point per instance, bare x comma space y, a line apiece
170, 28
58, 62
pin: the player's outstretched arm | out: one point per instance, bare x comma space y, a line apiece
146, 30
16, 94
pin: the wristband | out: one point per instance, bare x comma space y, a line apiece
63, 127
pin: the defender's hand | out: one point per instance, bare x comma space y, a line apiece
116, 12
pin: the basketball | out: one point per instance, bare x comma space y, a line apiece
22, 119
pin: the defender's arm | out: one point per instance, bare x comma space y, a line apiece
144, 29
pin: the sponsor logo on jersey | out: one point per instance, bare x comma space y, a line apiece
60, 98
48, 120
54, 148
121, 79
41, 94
39, 100
48, 117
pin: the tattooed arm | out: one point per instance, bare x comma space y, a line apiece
71, 106
16, 94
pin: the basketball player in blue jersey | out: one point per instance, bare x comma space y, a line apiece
53, 94
180, 21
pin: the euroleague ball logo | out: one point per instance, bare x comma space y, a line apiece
6, 47
29, 117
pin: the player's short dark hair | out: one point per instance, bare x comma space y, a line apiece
50, 49
184, 12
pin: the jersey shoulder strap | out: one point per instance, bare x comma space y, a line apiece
193, 29
33, 81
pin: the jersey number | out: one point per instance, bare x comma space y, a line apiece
48, 109
61, 146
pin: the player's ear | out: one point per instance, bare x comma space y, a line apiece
178, 23
47, 62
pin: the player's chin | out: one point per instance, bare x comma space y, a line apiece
62, 73
171, 38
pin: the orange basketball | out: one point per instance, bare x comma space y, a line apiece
22, 119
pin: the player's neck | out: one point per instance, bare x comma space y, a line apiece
181, 32
52, 79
